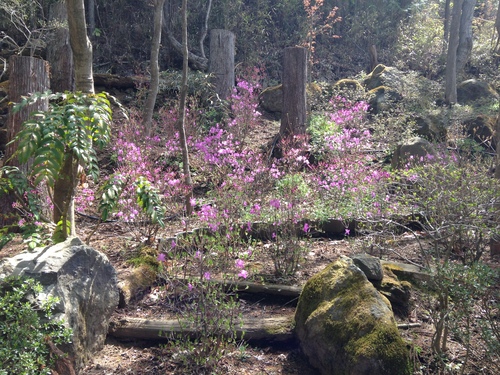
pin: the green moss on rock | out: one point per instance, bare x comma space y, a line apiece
346, 327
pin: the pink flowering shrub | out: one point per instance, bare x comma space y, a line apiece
244, 103
138, 163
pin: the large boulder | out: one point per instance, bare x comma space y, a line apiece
370, 265
346, 327
473, 90
431, 126
85, 282
414, 151
482, 130
271, 99
382, 98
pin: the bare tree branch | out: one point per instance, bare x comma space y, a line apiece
197, 62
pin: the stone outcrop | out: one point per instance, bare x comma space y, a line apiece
386, 282
346, 327
396, 291
85, 282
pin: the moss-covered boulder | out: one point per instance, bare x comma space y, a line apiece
385, 76
382, 98
346, 327
431, 126
348, 84
396, 291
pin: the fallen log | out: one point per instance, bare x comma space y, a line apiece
409, 325
133, 282
272, 330
276, 329
269, 289
110, 81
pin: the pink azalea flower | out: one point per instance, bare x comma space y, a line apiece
243, 274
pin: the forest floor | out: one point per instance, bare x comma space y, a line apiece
141, 357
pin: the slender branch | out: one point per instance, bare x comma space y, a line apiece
204, 29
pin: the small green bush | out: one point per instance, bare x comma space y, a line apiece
25, 325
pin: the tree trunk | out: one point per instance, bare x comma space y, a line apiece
497, 27
59, 53
446, 23
182, 111
155, 68
465, 36
81, 46
64, 192
27, 75
373, 57
294, 116
84, 80
222, 62
450, 95
91, 16
204, 30
198, 62
275, 330
497, 136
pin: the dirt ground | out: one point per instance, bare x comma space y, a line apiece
146, 357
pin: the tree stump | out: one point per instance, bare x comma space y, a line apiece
294, 114
27, 75
222, 61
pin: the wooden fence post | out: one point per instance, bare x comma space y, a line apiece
294, 113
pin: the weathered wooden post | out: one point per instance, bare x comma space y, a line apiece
294, 113
221, 63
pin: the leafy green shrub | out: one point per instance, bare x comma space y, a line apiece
208, 309
28, 206
319, 128
467, 285
25, 325
420, 43
455, 201
214, 316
